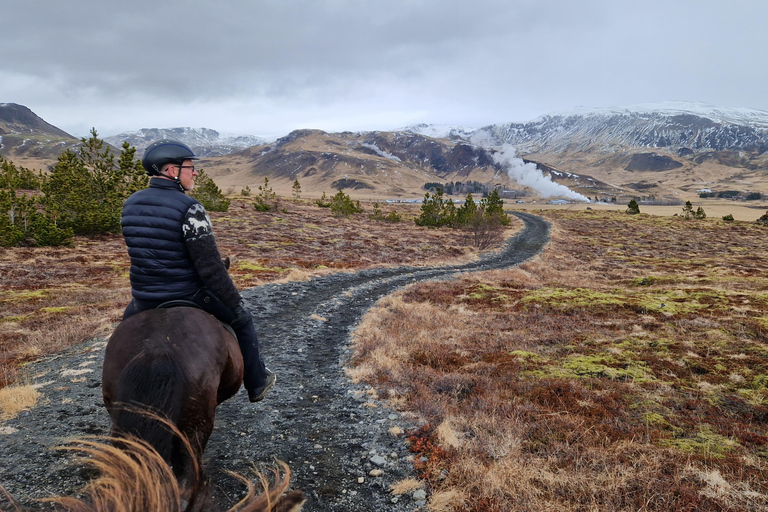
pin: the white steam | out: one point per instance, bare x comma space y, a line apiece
528, 175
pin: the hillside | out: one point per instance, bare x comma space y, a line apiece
369, 164
668, 150
666, 153
28, 140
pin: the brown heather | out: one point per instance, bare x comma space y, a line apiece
52, 298
626, 368
623, 369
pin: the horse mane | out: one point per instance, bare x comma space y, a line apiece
134, 477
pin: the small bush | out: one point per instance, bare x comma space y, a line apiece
323, 202
296, 190
728, 218
265, 197
633, 208
377, 214
689, 213
343, 206
393, 216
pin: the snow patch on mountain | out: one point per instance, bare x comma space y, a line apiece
439, 131
674, 125
381, 152
203, 141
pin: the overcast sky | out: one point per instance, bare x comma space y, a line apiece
266, 67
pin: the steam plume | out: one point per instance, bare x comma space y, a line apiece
527, 174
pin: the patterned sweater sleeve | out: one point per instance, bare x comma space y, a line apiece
205, 256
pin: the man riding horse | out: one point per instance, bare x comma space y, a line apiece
174, 255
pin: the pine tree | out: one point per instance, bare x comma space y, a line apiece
343, 206
466, 213
493, 207
632, 207
85, 190
208, 193
12, 177
22, 219
265, 197
132, 171
435, 211
296, 190
688, 212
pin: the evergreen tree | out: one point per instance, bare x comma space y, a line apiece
22, 222
296, 190
435, 211
85, 190
323, 202
343, 206
493, 207
132, 171
632, 207
263, 200
208, 193
12, 177
688, 212
466, 213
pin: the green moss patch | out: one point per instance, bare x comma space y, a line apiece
704, 442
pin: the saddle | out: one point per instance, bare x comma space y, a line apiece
179, 303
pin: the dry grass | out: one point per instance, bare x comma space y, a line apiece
624, 369
15, 399
133, 477
53, 298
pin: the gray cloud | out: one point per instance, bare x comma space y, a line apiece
268, 66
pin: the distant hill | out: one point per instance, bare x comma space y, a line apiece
28, 140
669, 149
663, 152
366, 164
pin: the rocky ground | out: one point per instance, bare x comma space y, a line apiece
337, 438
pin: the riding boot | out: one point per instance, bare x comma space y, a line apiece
257, 378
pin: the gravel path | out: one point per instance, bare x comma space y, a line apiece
328, 430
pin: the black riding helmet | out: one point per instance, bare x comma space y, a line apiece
163, 152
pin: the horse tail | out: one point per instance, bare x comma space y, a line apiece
150, 389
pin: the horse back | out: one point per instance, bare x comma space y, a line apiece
207, 360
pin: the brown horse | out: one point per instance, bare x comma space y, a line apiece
178, 363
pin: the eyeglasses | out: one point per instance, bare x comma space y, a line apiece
186, 167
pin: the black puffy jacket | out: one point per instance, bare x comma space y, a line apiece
171, 245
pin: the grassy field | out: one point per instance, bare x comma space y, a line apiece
54, 297
626, 368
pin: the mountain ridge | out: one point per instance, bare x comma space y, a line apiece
668, 150
205, 142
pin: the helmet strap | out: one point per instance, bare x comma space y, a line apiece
176, 179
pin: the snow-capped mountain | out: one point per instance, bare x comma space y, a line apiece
679, 126
203, 141
439, 131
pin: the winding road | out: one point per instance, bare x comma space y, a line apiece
332, 433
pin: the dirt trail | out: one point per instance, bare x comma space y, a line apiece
329, 431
